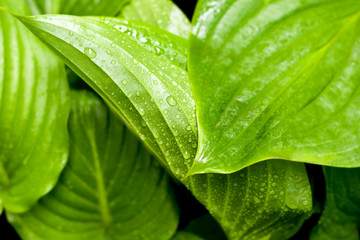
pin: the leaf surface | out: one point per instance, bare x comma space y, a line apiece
150, 93
77, 7
34, 108
276, 79
111, 188
340, 217
162, 13
223, 195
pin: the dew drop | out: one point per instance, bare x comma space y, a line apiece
166, 112
71, 34
135, 61
143, 123
90, 52
188, 128
113, 62
177, 116
113, 45
124, 81
171, 101
186, 155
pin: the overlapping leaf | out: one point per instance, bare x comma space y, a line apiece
150, 93
162, 13
276, 79
341, 216
159, 108
112, 188
77, 7
34, 107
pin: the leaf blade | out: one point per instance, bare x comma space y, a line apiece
279, 81
34, 107
111, 188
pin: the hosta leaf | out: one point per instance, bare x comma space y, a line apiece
268, 200
34, 108
77, 7
341, 216
150, 93
112, 188
162, 13
276, 79
170, 135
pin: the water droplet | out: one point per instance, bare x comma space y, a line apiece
177, 115
113, 62
135, 61
188, 128
158, 50
171, 101
166, 112
90, 52
71, 34
143, 123
141, 111
113, 45
155, 133
186, 155
124, 81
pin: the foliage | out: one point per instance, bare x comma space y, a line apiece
233, 106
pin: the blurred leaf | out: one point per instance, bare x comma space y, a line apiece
340, 218
34, 108
161, 13
112, 188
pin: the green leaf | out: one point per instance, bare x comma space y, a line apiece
150, 93
162, 13
170, 132
153, 39
77, 7
341, 216
34, 108
276, 79
111, 188
268, 200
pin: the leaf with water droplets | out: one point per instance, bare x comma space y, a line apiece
111, 188
135, 71
340, 218
34, 108
171, 138
162, 13
281, 80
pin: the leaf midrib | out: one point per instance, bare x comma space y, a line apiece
100, 182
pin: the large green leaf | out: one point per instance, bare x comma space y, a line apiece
34, 108
162, 13
77, 7
340, 219
276, 79
150, 93
111, 188
159, 108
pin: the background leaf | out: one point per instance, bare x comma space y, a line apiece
225, 196
161, 13
34, 108
341, 215
77, 7
111, 188
276, 79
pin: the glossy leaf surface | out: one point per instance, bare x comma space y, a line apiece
276, 79
151, 94
211, 190
34, 108
162, 13
341, 215
112, 188
77, 7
